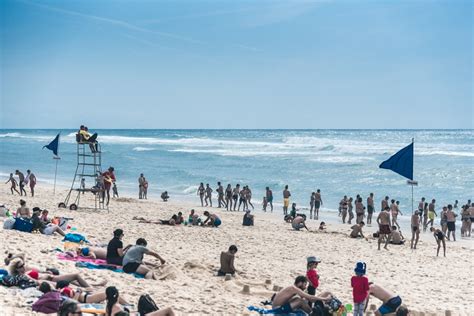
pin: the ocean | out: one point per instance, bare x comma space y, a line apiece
339, 162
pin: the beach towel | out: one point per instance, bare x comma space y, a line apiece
75, 238
48, 303
276, 311
65, 256
111, 267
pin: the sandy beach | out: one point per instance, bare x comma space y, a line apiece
270, 250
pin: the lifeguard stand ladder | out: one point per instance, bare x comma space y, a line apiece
89, 168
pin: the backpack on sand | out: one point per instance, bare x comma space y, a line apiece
146, 305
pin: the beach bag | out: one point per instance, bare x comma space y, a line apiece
4, 211
23, 225
48, 303
146, 305
78, 238
9, 223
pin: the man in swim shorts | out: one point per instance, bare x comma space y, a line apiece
317, 203
298, 223
384, 226
286, 200
293, 298
391, 302
269, 195
370, 208
451, 222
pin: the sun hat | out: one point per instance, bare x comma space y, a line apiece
313, 259
360, 268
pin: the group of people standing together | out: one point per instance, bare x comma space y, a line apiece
29, 179
228, 198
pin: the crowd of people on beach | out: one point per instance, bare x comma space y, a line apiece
22, 182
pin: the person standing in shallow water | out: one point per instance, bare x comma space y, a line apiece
370, 208
220, 195
208, 195
201, 191
141, 184
318, 201
228, 197
32, 181
311, 204
286, 200
269, 196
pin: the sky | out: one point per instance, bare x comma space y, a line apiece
236, 64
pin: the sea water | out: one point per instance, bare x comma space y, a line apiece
339, 162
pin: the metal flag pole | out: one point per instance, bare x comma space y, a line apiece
55, 173
412, 182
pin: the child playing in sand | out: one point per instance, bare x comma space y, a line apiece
360, 288
264, 204
396, 237
312, 274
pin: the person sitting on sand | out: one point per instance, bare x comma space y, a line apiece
46, 229
248, 219
212, 220
357, 231
133, 260
23, 211
293, 298
115, 250
322, 226
396, 237
391, 303
193, 218
440, 238
299, 222
227, 261
165, 196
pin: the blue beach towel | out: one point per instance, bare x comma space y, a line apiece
72, 237
276, 311
114, 268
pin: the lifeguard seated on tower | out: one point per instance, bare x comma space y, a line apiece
83, 136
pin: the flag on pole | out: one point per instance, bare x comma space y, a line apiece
401, 162
53, 146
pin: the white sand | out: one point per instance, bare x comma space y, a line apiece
268, 251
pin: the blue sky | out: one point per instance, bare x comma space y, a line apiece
236, 64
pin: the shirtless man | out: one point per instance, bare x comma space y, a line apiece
451, 222
13, 184
243, 199
294, 297
220, 195
211, 220
384, 226
444, 219
317, 203
228, 197
21, 181
208, 195
269, 196
415, 229
286, 200
298, 223
235, 195
391, 303
384, 203
370, 208
357, 231
227, 261
341, 204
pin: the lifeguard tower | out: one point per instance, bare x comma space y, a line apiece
88, 170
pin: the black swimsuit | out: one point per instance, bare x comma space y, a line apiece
440, 235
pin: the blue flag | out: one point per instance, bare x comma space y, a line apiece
401, 162
53, 145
